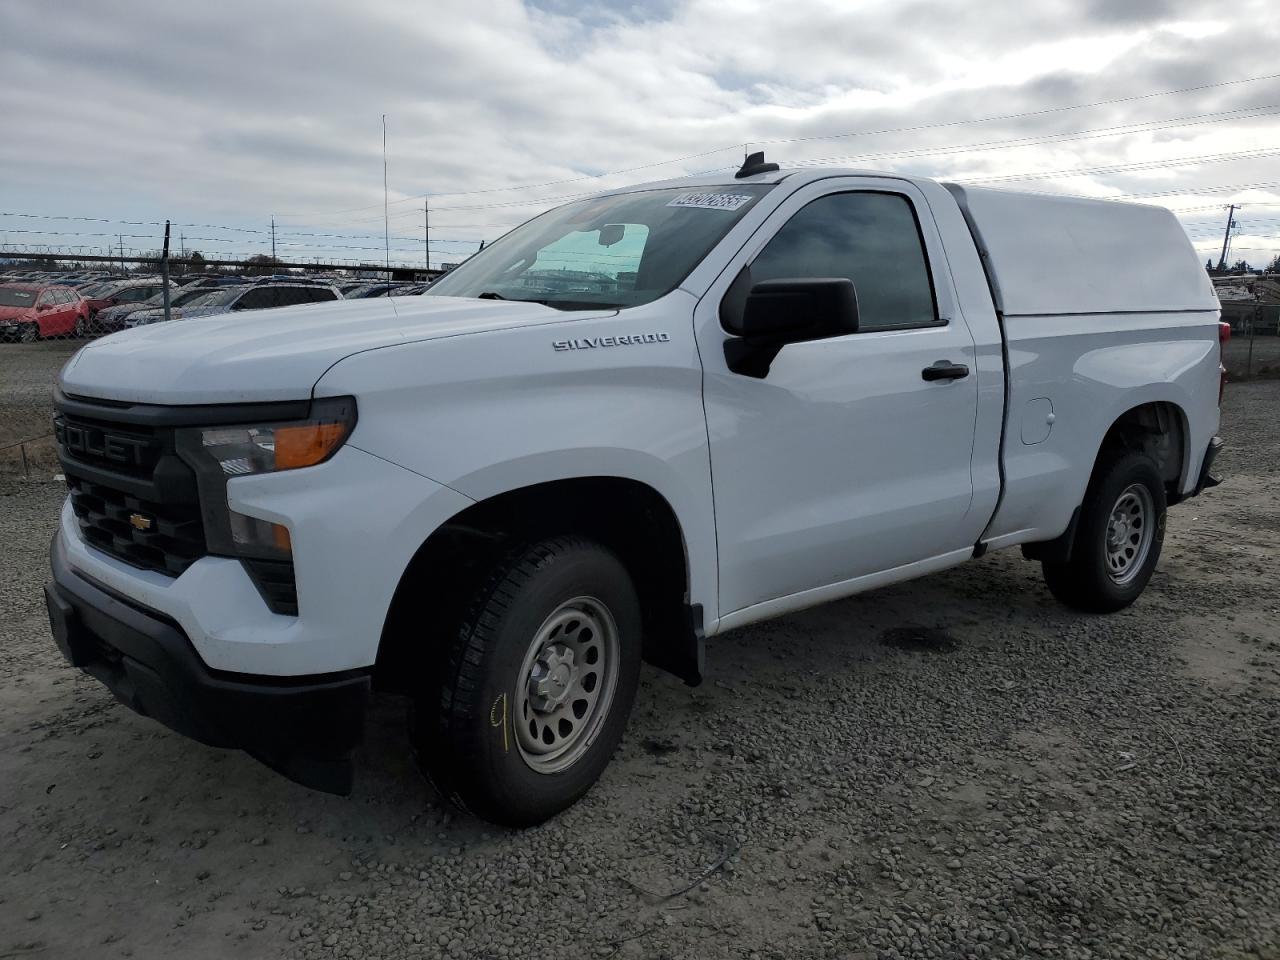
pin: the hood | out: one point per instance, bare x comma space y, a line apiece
279, 354
14, 313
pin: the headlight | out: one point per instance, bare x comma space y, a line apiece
219, 454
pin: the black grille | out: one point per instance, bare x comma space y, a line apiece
132, 495
163, 537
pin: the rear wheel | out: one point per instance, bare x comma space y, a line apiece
1118, 540
537, 686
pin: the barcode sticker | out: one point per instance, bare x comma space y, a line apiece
710, 201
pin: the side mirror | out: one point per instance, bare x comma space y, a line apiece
777, 312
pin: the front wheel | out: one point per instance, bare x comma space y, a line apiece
1118, 540
536, 686
28, 333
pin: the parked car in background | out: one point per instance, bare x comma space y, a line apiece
257, 296
30, 312
383, 288
113, 318
122, 291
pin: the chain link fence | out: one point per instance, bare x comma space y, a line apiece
46, 303
50, 308
1253, 351
47, 313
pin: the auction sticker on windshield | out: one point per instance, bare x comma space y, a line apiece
710, 201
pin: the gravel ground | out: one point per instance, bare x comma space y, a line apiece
26, 401
1259, 358
956, 767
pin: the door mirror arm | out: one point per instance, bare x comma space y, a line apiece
775, 313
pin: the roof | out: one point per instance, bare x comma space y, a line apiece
727, 178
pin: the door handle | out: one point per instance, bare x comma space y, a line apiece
945, 370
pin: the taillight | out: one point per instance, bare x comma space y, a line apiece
1224, 334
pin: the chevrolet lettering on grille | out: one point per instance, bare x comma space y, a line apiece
82, 441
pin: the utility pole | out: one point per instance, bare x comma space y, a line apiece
1226, 238
120, 238
426, 233
386, 215
273, 237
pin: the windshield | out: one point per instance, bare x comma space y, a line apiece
216, 298
15, 297
618, 251
180, 299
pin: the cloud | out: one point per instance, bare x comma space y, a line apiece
231, 113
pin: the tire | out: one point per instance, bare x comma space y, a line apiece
1111, 564
28, 333
537, 687
82, 327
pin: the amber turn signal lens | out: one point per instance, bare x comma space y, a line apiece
280, 537
305, 445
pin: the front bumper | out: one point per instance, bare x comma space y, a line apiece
303, 727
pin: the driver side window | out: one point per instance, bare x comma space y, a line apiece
870, 238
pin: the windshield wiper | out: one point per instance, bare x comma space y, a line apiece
579, 305
555, 304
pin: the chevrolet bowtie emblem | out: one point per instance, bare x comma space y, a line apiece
140, 521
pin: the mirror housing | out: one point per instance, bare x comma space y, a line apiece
611, 233
777, 312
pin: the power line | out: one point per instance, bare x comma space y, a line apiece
1123, 167
982, 146
1089, 133
829, 136
577, 196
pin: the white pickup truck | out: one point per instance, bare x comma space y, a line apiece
637, 420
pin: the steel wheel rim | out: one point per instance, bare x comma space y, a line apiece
1129, 534
566, 684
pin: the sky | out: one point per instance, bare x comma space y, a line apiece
221, 116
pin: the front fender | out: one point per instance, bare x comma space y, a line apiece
489, 413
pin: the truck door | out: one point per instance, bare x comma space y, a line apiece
847, 459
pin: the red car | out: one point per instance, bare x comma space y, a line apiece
29, 311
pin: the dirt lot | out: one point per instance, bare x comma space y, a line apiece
1249, 357
956, 767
